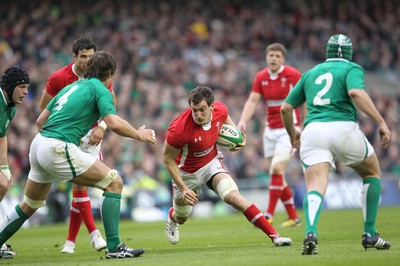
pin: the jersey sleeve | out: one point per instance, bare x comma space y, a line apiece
355, 78
257, 84
105, 102
53, 85
175, 137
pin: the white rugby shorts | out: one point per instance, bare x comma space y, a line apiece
327, 141
276, 140
197, 179
53, 160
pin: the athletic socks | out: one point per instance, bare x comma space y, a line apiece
12, 222
254, 215
275, 192
110, 213
75, 220
288, 202
370, 195
312, 206
81, 209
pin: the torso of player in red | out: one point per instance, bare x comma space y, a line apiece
197, 143
61, 78
274, 87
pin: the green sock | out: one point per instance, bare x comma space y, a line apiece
312, 205
110, 213
15, 219
370, 195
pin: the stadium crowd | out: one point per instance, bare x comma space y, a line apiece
166, 48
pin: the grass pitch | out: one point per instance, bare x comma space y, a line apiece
229, 240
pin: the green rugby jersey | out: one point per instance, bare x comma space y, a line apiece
7, 114
325, 88
76, 108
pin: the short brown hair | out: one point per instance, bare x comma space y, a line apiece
276, 47
201, 93
101, 65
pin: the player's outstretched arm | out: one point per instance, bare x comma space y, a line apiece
121, 127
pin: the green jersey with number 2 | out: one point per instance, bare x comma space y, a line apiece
325, 88
76, 108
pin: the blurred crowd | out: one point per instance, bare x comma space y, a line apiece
166, 48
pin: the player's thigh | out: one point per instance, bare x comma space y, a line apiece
53, 160
349, 144
95, 173
37, 191
315, 147
368, 167
269, 142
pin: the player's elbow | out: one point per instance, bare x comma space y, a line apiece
355, 94
286, 108
113, 122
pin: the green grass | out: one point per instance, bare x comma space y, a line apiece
229, 240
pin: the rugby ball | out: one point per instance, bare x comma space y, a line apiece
229, 137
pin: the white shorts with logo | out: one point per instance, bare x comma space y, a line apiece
197, 179
53, 160
276, 140
327, 141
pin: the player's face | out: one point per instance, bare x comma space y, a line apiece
202, 112
81, 60
19, 93
275, 60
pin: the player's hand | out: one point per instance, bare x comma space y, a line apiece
242, 126
97, 136
240, 145
190, 197
148, 135
384, 134
295, 139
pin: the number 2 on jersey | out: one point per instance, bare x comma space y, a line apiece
318, 98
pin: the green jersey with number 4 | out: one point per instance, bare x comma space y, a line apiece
325, 88
76, 108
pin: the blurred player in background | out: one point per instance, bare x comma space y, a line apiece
55, 157
82, 49
331, 91
192, 159
272, 84
14, 87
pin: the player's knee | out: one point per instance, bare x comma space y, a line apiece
34, 204
182, 213
225, 187
279, 162
112, 181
